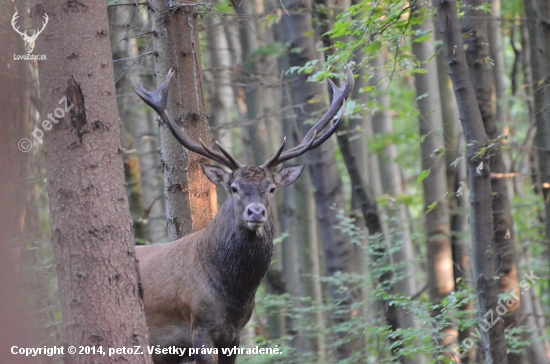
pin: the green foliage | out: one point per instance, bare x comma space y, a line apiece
378, 342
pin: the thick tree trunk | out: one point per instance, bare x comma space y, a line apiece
481, 219
91, 227
191, 199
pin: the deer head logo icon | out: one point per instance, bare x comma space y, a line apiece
29, 39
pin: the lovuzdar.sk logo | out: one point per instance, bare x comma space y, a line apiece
29, 39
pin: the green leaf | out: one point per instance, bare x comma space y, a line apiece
432, 206
373, 47
423, 175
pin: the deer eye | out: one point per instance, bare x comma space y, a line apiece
234, 189
272, 190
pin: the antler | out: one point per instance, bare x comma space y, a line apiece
339, 96
158, 100
13, 24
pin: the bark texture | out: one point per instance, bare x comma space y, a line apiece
481, 219
91, 226
191, 200
456, 186
475, 30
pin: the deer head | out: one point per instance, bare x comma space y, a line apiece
251, 187
29, 39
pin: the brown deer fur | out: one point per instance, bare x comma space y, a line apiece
199, 290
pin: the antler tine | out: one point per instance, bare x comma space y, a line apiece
232, 159
293, 153
317, 142
158, 100
207, 150
339, 96
190, 144
267, 163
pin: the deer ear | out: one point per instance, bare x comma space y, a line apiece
216, 175
288, 175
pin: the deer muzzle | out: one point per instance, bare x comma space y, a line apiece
254, 215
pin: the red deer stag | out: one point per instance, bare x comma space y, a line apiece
199, 290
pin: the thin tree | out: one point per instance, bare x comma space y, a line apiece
391, 174
440, 266
90, 221
125, 25
120, 21
456, 187
481, 219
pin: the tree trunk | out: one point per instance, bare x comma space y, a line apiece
257, 99
390, 173
191, 200
494, 33
322, 165
476, 37
298, 211
120, 18
220, 88
91, 227
539, 74
221, 95
532, 155
440, 265
481, 219
140, 123
456, 186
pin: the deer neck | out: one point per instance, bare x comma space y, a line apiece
236, 258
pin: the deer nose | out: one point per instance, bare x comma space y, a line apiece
255, 212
